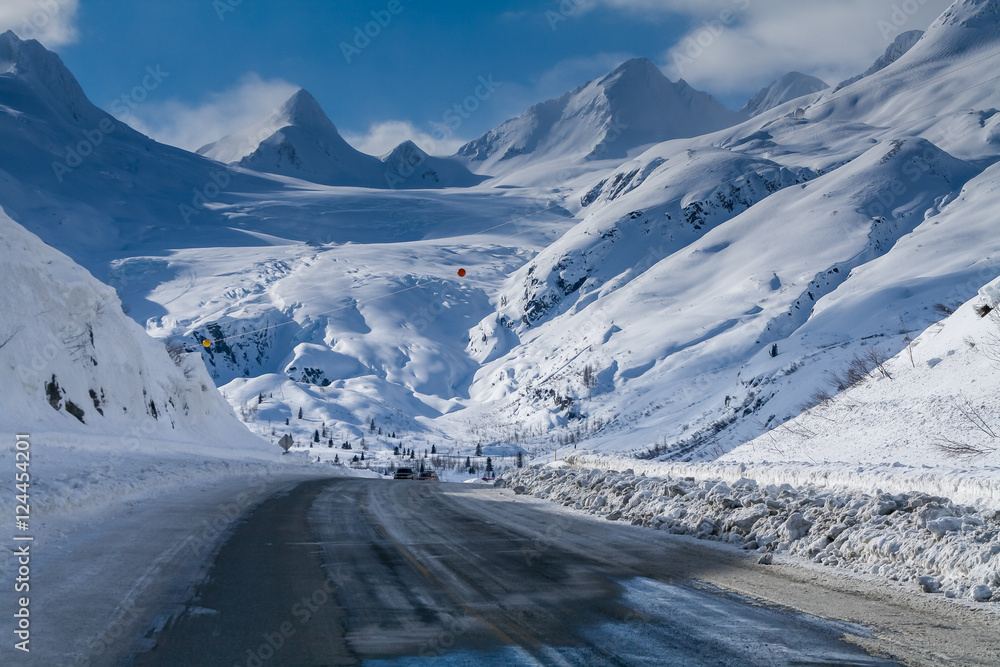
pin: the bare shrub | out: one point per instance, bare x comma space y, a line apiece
943, 309
972, 415
960, 450
877, 359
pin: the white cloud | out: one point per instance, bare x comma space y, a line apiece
383, 137
740, 44
51, 22
191, 126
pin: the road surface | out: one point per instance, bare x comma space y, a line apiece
371, 572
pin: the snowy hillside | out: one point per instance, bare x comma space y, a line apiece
903, 43
300, 141
788, 87
73, 362
633, 106
676, 313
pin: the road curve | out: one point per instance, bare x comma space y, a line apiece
371, 572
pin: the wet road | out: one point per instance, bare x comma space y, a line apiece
347, 572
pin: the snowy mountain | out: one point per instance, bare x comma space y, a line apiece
300, 141
635, 105
788, 87
87, 183
407, 166
71, 361
665, 314
903, 43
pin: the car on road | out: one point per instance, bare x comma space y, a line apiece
405, 473
429, 476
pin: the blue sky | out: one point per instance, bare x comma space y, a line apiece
230, 62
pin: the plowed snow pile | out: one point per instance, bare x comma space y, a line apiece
939, 545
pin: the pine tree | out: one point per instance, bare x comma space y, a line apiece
286, 421
520, 459
489, 464
434, 449
336, 459
315, 436
395, 450
300, 413
468, 462
362, 456
411, 454
371, 427
479, 449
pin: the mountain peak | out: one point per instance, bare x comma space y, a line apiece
303, 109
634, 105
43, 71
785, 88
405, 148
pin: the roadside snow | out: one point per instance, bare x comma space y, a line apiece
931, 541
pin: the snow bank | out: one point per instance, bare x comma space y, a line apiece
974, 485
931, 541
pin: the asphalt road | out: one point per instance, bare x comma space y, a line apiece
348, 571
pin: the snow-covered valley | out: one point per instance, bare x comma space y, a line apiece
792, 305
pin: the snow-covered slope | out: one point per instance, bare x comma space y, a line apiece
635, 105
903, 43
300, 141
714, 282
788, 87
71, 361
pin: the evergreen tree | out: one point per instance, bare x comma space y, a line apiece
411, 454
362, 456
468, 462
260, 398
336, 459
300, 413
421, 466
489, 464
286, 421
371, 427
316, 436
520, 459
479, 449
434, 449
395, 450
